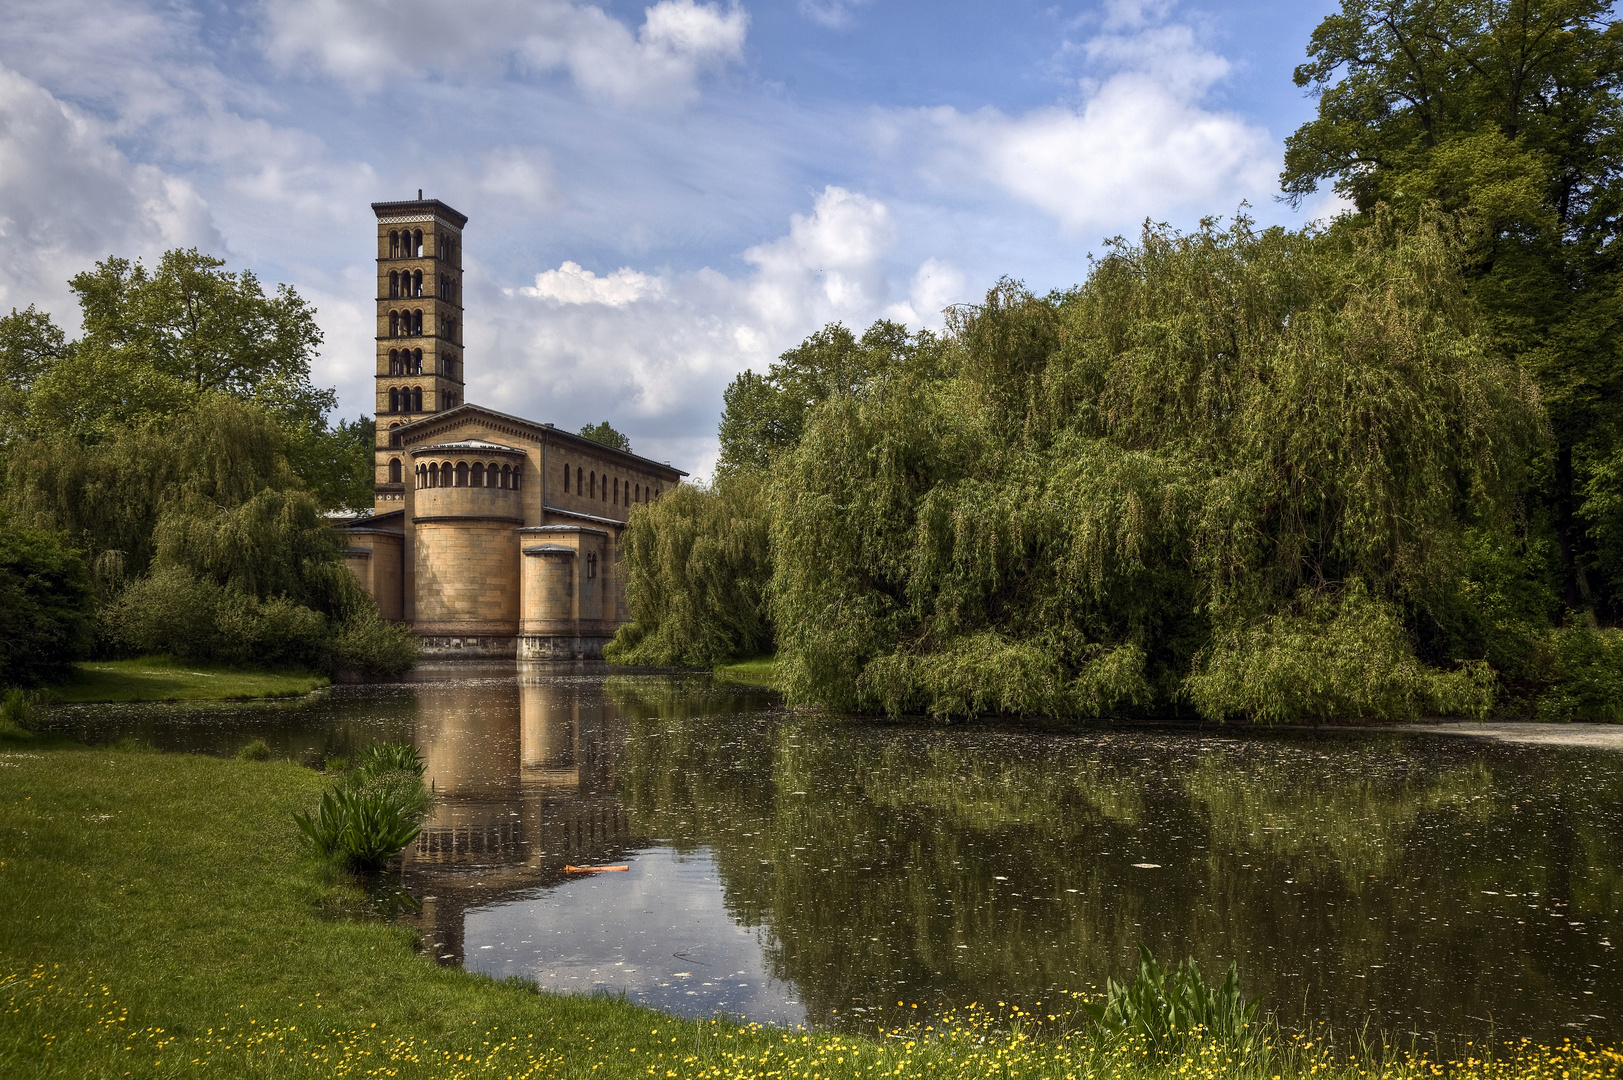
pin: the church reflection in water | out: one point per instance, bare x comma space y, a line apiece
522, 772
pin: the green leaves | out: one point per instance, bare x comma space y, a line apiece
1170, 1010
606, 435
364, 829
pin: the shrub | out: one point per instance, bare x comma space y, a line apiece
47, 615
1589, 674
255, 751
171, 611
371, 646
1169, 1010
364, 829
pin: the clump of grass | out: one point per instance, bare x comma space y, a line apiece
372, 813
363, 829
335, 765
387, 757
19, 711
255, 751
1167, 1011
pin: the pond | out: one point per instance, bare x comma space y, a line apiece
840, 872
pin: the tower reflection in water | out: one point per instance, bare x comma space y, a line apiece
524, 778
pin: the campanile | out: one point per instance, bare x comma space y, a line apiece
419, 330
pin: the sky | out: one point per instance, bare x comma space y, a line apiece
659, 196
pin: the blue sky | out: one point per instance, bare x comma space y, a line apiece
660, 195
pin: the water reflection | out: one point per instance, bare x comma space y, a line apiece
821, 870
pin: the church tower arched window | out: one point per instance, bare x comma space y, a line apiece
394, 470
394, 400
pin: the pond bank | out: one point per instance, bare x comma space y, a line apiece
162, 921
160, 678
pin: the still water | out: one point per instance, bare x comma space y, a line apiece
821, 871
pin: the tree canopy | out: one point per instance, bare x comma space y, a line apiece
605, 434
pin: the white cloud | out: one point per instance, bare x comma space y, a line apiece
569, 284
831, 13
653, 352
367, 43
69, 197
830, 263
1137, 142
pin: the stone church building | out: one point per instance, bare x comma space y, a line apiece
491, 535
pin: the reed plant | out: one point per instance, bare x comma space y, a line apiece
363, 829
1166, 1012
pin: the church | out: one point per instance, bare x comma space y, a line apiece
490, 535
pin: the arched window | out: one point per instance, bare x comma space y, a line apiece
577, 480
462, 474
417, 361
394, 470
394, 436
566, 476
394, 244
394, 324
394, 283
477, 478
605, 489
417, 283
616, 491
417, 399
593, 476
434, 474
637, 494
507, 475
417, 322
417, 244
394, 400
517, 469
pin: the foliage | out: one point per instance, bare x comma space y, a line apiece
1587, 680
156, 341
1166, 1010
1331, 658
175, 612
336, 464
369, 645
387, 757
605, 434
697, 570
363, 829
764, 415
256, 750
1132, 494
19, 710
1508, 114
47, 617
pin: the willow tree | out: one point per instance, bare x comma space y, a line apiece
1233, 470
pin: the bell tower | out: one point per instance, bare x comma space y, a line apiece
419, 332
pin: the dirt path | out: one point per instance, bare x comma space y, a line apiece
1594, 736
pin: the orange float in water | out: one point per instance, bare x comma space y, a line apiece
595, 869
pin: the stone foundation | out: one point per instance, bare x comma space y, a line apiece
470, 648
560, 647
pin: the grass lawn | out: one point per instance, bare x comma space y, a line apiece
762, 670
159, 678
160, 920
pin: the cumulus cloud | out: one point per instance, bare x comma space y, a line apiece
656, 350
69, 196
570, 284
363, 43
1137, 141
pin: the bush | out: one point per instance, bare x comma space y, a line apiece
47, 613
369, 645
255, 751
392, 757
170, 611
364, 829
18, 711
1170, 1010
1589, 676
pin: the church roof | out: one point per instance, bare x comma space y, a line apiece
467, 409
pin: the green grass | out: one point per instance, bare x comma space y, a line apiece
160, 919
761, 671
159, 678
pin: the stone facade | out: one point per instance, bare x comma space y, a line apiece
491, 535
